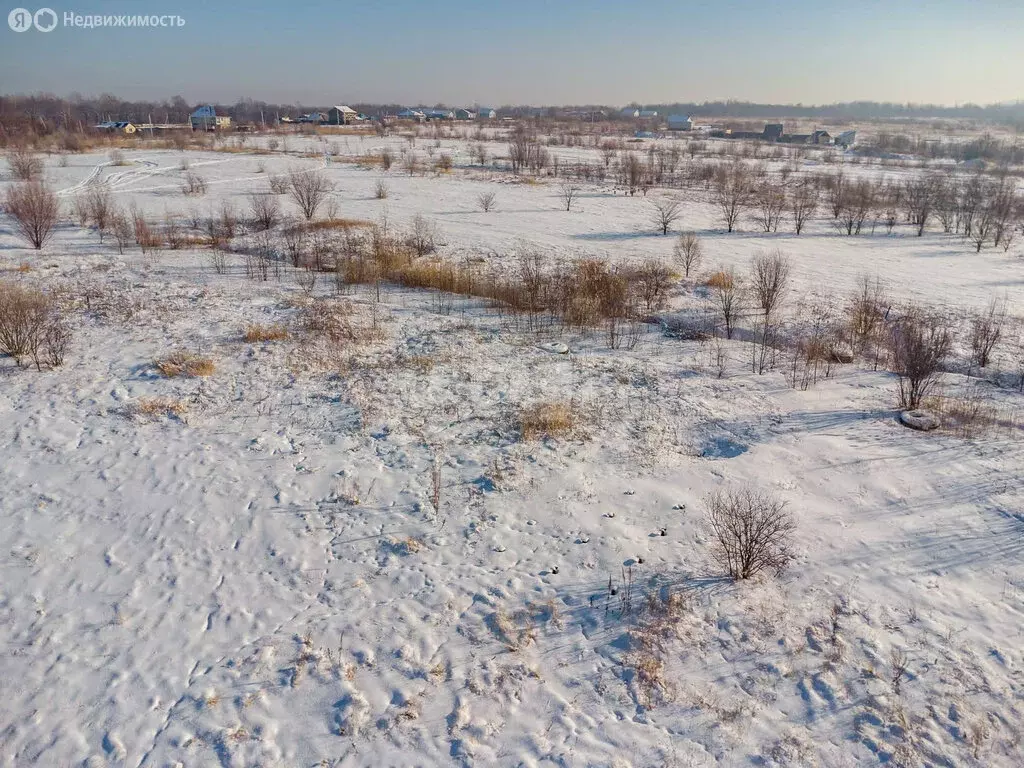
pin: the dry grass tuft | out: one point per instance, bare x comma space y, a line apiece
541, 420
257, 332
719, 280
159, 406
337, 223
183, 363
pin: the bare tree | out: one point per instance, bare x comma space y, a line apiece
986, 330
266, 211
665, 214
733, 187
770, 201
919, 196
769, 278
633, 172
688, 252
486, 201
803, 201
35, 211
867, 311
728, 298
381, 190
309, 189
569, 192
982, 226
652, 279
751, 531
422, 236
279, 185
100, 208
920, 343
123, 230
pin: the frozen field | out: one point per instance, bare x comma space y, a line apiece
268, 578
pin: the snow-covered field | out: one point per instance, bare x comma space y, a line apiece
265, 579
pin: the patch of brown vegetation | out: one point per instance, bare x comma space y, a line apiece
258, 332
183, 363
551, 419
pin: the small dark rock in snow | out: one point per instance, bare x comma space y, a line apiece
554, 569
630, 492
678, 506
663, 531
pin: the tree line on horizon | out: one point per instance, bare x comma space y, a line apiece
77, 112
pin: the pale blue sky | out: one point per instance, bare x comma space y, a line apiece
532, 51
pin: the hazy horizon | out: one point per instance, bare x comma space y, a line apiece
454, 52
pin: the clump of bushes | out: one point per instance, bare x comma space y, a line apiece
31, 327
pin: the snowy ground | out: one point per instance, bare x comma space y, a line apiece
265, 581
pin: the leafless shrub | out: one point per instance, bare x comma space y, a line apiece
866, 313
769, 283
728, 298
803, 201
123, 231
387, 158
173, 235
193, 184
688, 252
569, 193
751, 531
422, 236
228, 220
986, 330
55, 342
652, 279
266, 212
219, 261
25, 166
486, 200
770, 202
146, 237
100, 208
80, 209
443, 164
117, 158
309, 189
24, 316
35, 211
919, 344
295, 238
306, 280
279, 185
666, 213
732, 192
899, 663
381, 191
